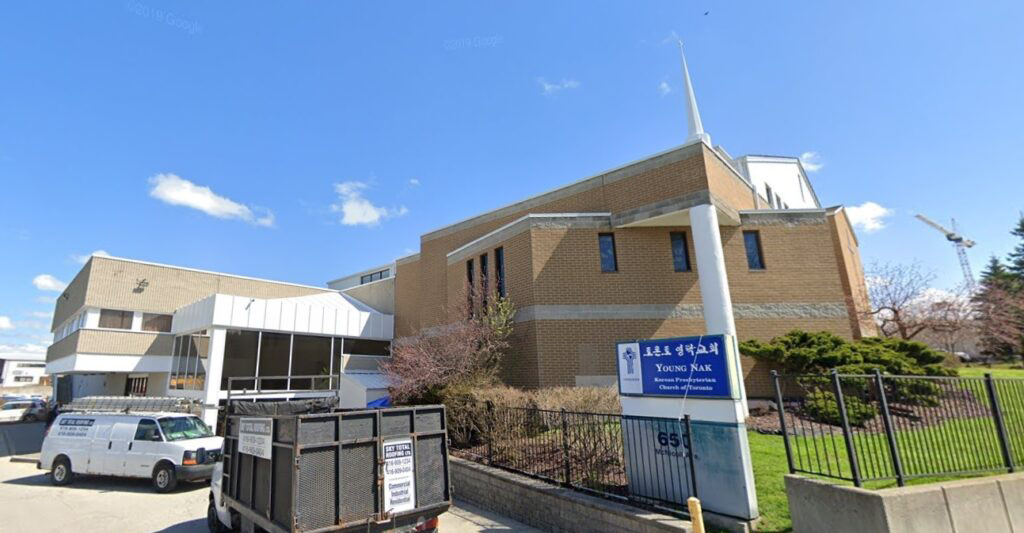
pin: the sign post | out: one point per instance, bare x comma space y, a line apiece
699, 376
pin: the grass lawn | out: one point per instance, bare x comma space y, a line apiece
1001, 370
769, 456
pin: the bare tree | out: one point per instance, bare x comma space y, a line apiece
1001, 318
953, 321
466, 351
896, 293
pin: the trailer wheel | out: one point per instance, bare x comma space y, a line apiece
164, 479
61, 473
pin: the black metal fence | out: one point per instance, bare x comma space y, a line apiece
864, 428
639, 460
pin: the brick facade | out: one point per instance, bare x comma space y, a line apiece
571, 313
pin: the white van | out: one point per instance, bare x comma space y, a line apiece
166, 447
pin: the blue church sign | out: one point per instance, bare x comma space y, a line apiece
684, 366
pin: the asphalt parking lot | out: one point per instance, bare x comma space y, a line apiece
116, 505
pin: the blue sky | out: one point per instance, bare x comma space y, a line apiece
323, 138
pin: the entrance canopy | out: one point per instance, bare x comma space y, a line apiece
327, 313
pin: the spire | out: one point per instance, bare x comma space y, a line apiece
694, 126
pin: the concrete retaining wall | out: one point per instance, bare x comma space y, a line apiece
982, 505
549, 507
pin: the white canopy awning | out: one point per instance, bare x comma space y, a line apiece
327, 313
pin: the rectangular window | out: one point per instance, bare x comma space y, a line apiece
376, 276
311, 356
469, 286
483, 279
680, 255
112, 319
155, 322
609, 263
469, 272
752, 241
367, 347
768, 193
275, 352
499, 270
240, 348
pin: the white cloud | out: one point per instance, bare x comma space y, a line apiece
42, 314
868, 216
83, 259
811, 161
175, 190
414, 182
664, 88
356, 210
23, 349
552, 88
46, 282
5, 322
46, 299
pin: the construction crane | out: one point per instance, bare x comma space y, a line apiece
960, 244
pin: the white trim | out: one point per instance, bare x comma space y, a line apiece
81, 362
484, 237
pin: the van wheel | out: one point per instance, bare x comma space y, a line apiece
61, 473
213, 521
164, 479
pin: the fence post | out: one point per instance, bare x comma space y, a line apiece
490, 433
997, 415
890, 433
782, 421
847, 434
565, 448
692, 454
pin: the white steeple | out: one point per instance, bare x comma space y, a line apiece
694, 126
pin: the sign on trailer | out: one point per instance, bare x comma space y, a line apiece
683, 366
255, 436
399, 481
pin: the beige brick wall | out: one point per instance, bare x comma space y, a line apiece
852, 275
112, 283
726, 185
73, 297
92, 341
407, 298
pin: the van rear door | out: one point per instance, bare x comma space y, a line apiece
117, 452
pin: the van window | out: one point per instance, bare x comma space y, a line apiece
147, 430
184, 427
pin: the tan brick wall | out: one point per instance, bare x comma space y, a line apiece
73, 297
112, 283
852, 275
567, 268
655, 184
407, 298
92, 341
726, 185
800, 265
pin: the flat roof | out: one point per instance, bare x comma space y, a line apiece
176, 267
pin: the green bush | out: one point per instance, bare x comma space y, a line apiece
822, 406
801, 352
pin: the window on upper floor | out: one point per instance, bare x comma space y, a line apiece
112, 319
499, 270
606, 243
375, 276
483, 278
680, 254
752, 242
156, 322
770, 195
